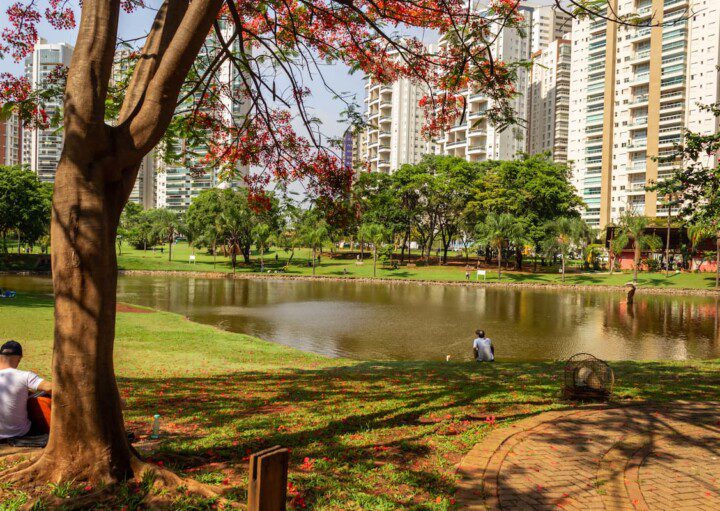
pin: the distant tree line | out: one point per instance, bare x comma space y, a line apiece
25, 206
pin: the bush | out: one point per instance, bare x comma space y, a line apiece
652, 264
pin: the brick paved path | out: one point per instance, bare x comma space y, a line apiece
624, 458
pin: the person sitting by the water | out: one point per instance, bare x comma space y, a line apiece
15, 387
483, 349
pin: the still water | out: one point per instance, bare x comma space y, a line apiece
416, 322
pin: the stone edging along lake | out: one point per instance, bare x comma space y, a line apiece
426, 282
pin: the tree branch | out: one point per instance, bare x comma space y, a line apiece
167, 20
91, 64
145, 127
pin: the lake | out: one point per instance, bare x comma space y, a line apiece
427, 322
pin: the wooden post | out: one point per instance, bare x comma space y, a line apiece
267, 486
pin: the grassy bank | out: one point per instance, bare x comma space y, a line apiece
364, 435
344, 264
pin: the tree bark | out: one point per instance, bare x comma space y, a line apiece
717, 262
499, 263
637, 261
170, 244
374, 261
87, 437
667, 244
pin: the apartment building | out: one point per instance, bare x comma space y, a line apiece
633, 90
41, 149
549, 100
177, 184
11, 141
548, 25
473, 137
393, 136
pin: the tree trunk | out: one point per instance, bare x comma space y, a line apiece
233, 257
214, 249
667, 245
262, 260
518, 259
374, 261
637, 261
87, 436
563, 267
170, 244
717, 262
313, 261
18, 240
499, 263
406, 242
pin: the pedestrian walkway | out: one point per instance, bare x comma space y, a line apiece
599, 458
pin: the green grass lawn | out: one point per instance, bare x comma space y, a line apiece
344, 264
364, 435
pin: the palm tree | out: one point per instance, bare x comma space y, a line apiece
634, 227
375, 234
617, 243
261, 234
563, 234
314, 236
697, 233
495, 231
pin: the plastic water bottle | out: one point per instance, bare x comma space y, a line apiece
155, 427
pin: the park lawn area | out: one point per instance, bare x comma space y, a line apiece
343, 265
132, 259
364, 435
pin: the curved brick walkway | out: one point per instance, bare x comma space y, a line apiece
600, 458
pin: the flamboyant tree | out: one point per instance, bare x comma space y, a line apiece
174, 89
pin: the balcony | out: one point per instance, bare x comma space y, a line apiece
641, 78
638, 143
476, 149
456, 143
642, 33
635, 188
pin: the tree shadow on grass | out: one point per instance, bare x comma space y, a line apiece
353, 430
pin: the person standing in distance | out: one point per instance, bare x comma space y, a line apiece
483, 349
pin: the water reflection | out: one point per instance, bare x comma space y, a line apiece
399, 321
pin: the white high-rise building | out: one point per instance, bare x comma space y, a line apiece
144, 191
548, 25
473, 137
41, 149
393, 136
549, 100
177, 184
633, 91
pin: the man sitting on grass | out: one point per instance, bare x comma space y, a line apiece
15, 387
483, 348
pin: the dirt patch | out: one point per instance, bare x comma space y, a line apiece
124, 307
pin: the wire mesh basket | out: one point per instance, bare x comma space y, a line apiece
587, 378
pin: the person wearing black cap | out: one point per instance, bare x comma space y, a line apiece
15, 387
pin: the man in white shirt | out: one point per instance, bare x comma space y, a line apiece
15, 387
483, 348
